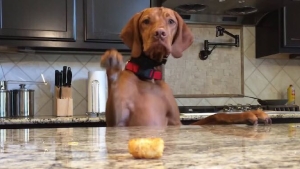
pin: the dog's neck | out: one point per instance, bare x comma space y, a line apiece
145, 68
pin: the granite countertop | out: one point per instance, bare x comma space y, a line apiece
51, 120
230, 146
101, 118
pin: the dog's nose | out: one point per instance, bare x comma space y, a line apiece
160, 33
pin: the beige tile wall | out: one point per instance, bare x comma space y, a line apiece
264, 78
29, 67
220, 74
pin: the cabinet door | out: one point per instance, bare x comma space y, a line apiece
37, 19
105, 19
291, 20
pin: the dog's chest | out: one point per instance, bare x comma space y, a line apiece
151, 87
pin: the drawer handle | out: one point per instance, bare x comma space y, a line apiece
295, 39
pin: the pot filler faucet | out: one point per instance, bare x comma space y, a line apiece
203, 55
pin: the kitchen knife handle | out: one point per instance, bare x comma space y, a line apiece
69, 77
60, 84
64, 76
56, 78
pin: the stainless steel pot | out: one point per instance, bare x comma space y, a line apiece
3, 85
22, 102
5, 103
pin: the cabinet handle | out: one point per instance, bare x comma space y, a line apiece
295, 39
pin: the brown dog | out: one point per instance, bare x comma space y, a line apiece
137, 96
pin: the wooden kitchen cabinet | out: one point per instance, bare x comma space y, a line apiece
37, 20
278, 31
291, 27
66, 25
105, 19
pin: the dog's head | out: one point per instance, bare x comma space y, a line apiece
157, 32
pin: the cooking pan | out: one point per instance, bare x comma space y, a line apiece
270, 102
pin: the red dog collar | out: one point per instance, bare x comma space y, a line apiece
143, 73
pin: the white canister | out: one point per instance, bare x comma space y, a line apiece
97, 92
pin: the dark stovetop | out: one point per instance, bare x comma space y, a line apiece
238, 107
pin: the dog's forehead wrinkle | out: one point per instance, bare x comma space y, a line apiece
160, 15
160, 12
168, 15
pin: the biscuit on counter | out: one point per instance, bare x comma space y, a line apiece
147, 148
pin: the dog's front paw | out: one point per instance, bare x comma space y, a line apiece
256, 116
111, 59
262, 116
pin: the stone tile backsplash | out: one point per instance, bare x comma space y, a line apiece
29, 67
190, 76
264, 78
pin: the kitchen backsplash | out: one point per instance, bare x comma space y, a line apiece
264, 78
29, 67
191, 77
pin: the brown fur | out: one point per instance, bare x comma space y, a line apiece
135, 102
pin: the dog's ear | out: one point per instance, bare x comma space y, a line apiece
130, 35
183, 38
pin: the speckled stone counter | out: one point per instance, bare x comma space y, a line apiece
51, 120
101, 118
231, 146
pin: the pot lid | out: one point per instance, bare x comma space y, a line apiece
22, 88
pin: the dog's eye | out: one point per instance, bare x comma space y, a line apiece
146, 21
171, 21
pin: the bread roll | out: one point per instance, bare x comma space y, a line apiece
148, 148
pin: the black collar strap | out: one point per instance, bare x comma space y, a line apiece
147, 63
143, 73
143, 67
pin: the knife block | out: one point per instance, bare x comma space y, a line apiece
63, 106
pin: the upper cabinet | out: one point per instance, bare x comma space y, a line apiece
105, 19
70, 25
278, 31
291, 24
37, 19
